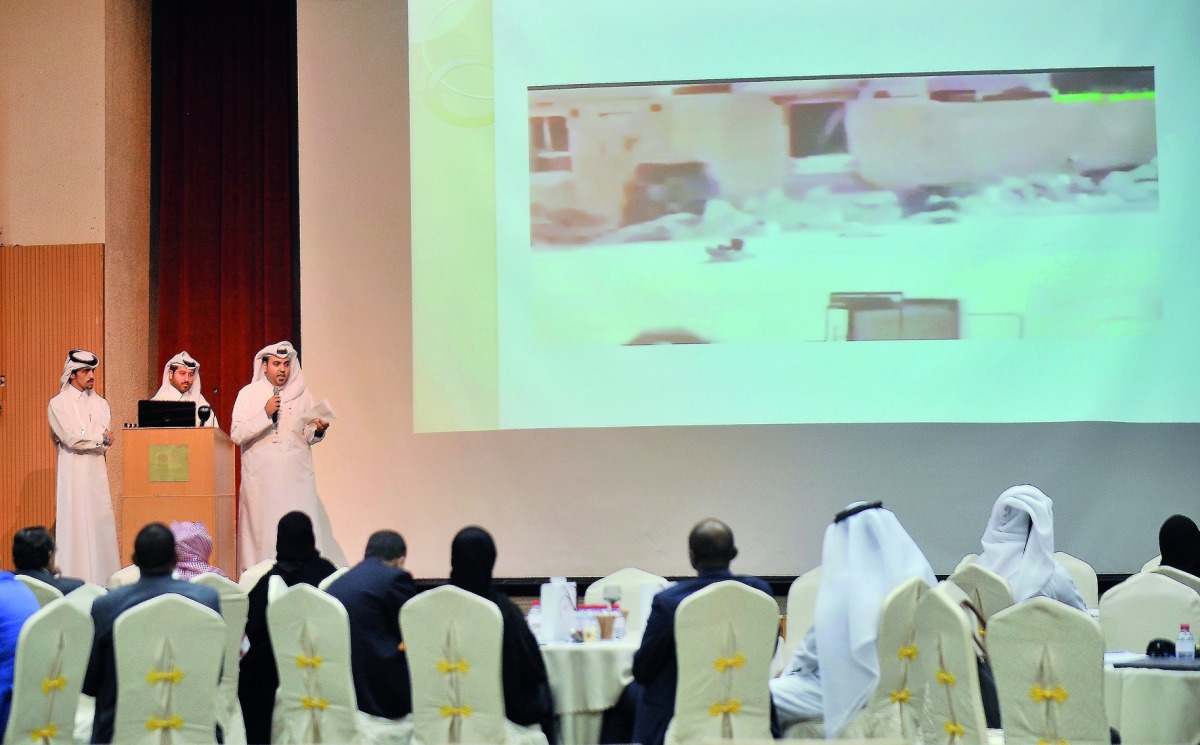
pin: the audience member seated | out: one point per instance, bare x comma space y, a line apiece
527, 698
372, 594
711, 550
296, 561
194, 545
1018, 544
17, 603
154, 555
1179, 544
866, 554
33, 555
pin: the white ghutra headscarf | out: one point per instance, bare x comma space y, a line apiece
294, 387
168, 392
866, 555
77, 359
1018, 542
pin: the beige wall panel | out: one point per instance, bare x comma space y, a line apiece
52, 70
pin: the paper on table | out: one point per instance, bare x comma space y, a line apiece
321, 410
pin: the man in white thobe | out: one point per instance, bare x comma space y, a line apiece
181, 382
79, 426
277, 466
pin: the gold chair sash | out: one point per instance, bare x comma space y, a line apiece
455, 711
901, 696
53, 684
725, 663
1057, 694
314, 662
315, 703
445, 667
725, 707
158, 676
954, 729
45, 733
172, 722
945, 677
907, 652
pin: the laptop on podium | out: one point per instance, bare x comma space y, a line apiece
166, 413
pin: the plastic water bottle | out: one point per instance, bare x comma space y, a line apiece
1185, 643
535, 620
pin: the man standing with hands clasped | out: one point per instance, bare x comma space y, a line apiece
276, 437
79, 427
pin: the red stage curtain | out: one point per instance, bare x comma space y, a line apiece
226, 215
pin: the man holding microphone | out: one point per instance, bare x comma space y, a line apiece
277, 467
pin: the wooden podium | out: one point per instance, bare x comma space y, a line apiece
180, 474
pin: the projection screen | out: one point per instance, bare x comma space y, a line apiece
586, 273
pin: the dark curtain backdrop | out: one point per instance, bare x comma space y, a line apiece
226, 218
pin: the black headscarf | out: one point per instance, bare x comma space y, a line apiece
1179, 542
527, 697
472, 558
296, 561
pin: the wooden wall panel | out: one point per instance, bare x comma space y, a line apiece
51, 299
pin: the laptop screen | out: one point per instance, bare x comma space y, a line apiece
166, 413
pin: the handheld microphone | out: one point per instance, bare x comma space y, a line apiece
275, 416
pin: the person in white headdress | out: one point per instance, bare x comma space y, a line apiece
1018, 544
277, 465
181, 382
866, 555
86, 532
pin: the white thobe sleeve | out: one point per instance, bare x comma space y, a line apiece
1062, 588
72, 439
249, 418
797, 693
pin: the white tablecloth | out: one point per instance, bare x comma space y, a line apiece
586, 679
1153, 706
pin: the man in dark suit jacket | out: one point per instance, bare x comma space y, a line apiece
711, 550
154, 555
33, 556
372, 593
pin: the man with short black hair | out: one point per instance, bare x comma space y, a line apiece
33, 556
154, 555
372, 593
711, 550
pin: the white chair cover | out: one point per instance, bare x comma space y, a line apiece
968, 559
631, 581
801, 610
1156, 561
52, 654
453, 641
989, 591
1084, 577
1048, 660
1148, 605
310, 634
252, 575
724, 640
325, 583
894, 709
1179, 575
168, 652
124, 576
276, 586
235, 605
83, 596
45, 593
953, 710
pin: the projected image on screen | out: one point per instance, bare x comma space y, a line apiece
982, 205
